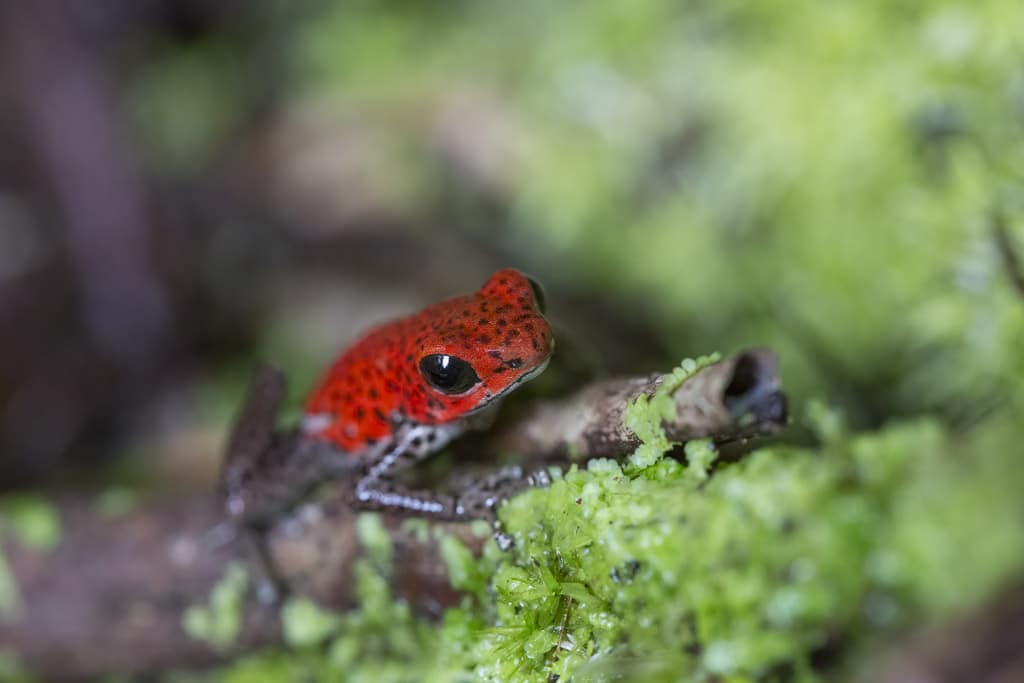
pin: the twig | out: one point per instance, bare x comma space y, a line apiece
738, 398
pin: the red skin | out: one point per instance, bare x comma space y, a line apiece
376, 385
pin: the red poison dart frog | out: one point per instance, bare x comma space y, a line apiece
402, 392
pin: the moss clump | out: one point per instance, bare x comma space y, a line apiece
220, 621
645, 415
375, 539
32, 521
304, 623
665, 575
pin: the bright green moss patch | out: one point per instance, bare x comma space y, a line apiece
700, 455
374, 538
304, 623
753, 569
32, 519
645, 415
220, 621
463, 568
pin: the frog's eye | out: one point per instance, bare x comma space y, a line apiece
448, 374
538, 294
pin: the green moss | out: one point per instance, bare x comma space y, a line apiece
272, 667
825, 421
417, 527
32, 519
462, 565
219, 621
10, 595
754, 568
645, 415
189, 99
304, 623
374, 538
11, 669
700, 455
115, 502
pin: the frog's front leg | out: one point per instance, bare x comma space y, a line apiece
376, 490
480, 497
477, 498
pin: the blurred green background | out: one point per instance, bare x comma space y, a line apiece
187, 186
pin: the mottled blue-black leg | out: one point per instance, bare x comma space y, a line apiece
481, 497
477, 498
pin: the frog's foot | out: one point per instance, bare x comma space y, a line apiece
481, 498
481, 495
377, 493
476, 498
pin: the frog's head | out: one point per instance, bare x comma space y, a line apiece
480, 347
441, 366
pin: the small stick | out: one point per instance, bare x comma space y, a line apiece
737, 398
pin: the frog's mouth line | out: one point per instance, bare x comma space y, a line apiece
524, 378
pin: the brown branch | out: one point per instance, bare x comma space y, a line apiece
737, 398
111, 597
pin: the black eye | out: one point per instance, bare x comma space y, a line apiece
538, 295
448, 374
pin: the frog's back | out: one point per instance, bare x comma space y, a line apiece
366, 390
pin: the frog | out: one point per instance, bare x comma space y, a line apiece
402, 392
